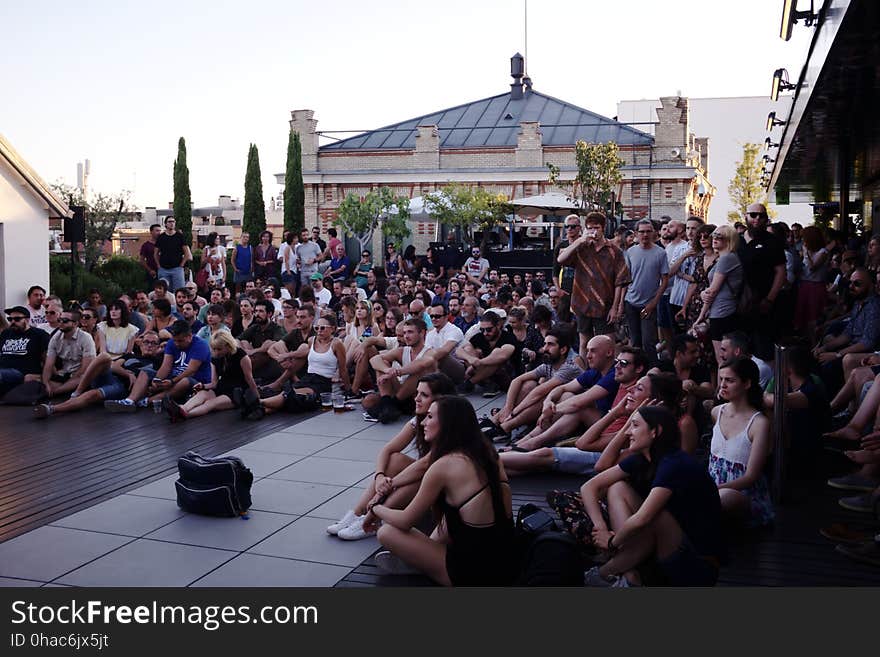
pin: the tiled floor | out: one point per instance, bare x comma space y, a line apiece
306, 476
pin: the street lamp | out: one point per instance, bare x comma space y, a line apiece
772, 121
790, 16
780, 83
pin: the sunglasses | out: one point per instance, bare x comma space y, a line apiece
571, 226
487, 330
320, 327
65, 321
622, 362
856, 284
440, 316
755, 215
365, 255
84, 318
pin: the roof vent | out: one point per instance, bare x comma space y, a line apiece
508, 117
517, 67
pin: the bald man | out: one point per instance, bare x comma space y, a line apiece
568, 410
763, 261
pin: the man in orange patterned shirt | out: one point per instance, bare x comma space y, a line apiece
600, 276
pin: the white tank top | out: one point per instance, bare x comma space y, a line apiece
735, 449
407, 358
323, 363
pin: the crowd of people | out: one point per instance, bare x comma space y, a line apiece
642, 363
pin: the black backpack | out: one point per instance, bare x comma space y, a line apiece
549, 557
213, 486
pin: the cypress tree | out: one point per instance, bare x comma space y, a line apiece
254, 220
182, 196
294, 193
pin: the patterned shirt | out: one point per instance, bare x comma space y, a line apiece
596, 275
864, 323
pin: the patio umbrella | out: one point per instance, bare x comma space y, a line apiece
550, 203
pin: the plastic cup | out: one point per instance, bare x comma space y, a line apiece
326, 401
338, 404
157, 406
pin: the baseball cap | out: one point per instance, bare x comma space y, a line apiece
18, 309
317, 276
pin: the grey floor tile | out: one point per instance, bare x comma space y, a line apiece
292, 442
260, 571
9, 582
52, 585
335, 508
263, 464
308, 540
325, 471
223, 533
378, 432
149, 563
129, 515
290, 497
163, 489
45, 553
351, 449
325, 426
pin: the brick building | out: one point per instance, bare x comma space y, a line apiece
504, 143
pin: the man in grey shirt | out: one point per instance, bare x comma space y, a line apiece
308, 253
650, 275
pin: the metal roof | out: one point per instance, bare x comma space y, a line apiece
494, 122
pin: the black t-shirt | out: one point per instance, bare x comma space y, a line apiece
295, 338
257, 335
23, 351
229, 372
695, 502
481, 344
759, 258
170, 250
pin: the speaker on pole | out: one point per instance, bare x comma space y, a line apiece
75, 226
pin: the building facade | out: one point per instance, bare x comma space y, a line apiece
503, 144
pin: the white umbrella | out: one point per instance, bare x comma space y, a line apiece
550, 203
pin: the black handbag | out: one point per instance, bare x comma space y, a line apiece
213, 486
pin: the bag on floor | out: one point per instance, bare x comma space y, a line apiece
549, 557
213, 486
25, 394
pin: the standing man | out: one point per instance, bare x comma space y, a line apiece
172, 253
148, 255
243, 262
287, 256
316, 234
563, 276
35, 297
763, 260
650, 275
476, 267
601, 275
676, 246
307, 253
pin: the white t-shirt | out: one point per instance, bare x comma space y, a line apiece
287, 256
323, 297
476, 267
38, 319
450, 333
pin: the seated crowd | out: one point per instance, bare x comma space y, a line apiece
645, 369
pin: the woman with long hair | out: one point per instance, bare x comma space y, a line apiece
741, 444
213, 322
380, 307
726, 279
409, 262
465, 484
661, 503
397, 475
116, 335
360, 329
392, 262
214, 259
812, 293
231, 371
265, 258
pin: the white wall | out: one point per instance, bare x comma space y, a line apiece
728, 123
25, 240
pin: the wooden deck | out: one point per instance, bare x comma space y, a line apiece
54, 467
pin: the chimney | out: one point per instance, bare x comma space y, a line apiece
517, 68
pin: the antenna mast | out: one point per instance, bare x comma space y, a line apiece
526, 23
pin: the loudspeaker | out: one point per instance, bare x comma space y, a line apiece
75, 226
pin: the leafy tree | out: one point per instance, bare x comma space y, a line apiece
746, 187
468, 208
254, 214
380, 209
598, 174
294, 193
182, 196
102, 213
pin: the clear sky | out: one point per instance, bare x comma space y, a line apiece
119, 82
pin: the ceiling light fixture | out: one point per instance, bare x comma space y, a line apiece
780, 83
790, 16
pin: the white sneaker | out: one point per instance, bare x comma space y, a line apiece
355, 531
349, 517
391, 564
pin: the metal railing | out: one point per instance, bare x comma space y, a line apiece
780, 388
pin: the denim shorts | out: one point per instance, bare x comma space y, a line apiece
572, 460
110, 385
664, 313
10, 376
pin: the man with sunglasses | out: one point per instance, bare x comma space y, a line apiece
444, 339
491, 356
763, 260
476, 267
68, 355
22, 349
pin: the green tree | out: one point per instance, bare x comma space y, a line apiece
468, 208
254, 219
182, 196
746, 187
598, 174
294, 193
380, 209
102, 213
